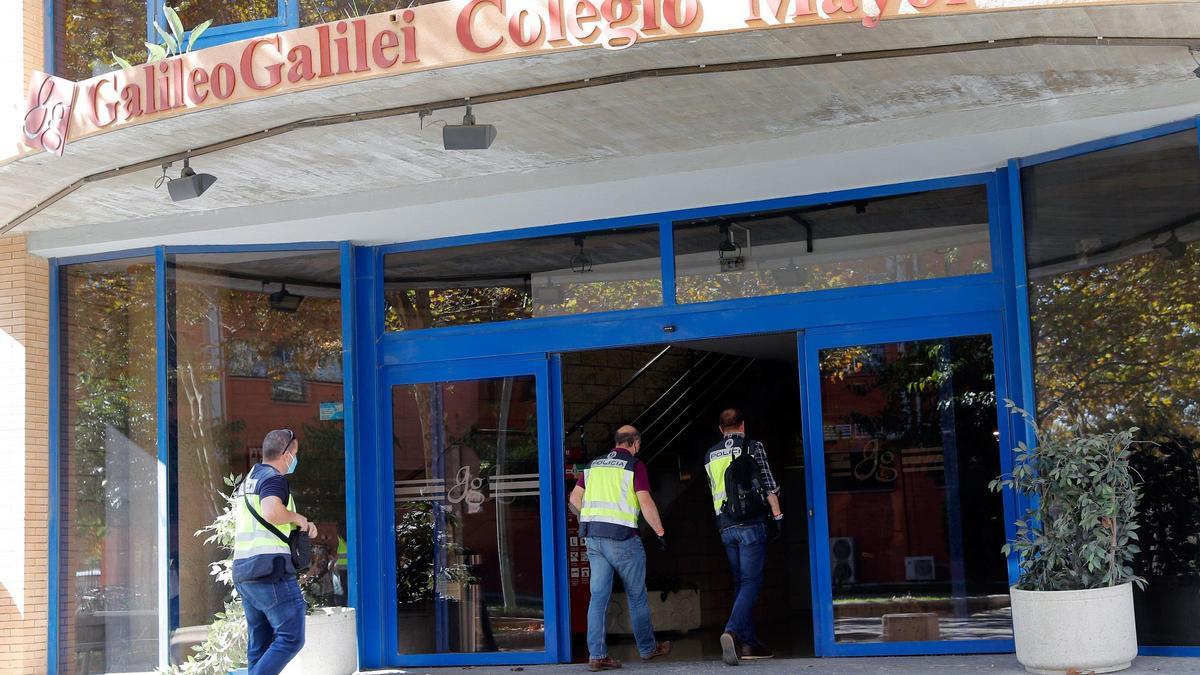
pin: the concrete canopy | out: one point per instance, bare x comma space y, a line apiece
641, 146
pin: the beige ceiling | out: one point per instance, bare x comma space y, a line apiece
640, 119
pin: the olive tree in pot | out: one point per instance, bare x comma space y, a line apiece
1073, 603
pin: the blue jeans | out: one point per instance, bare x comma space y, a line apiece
746, 546
628, 559
275, 612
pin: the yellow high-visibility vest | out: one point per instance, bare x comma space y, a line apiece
252, 539
716, 463
608, 493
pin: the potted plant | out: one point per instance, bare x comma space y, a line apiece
1073, 602
419, 581
330, 640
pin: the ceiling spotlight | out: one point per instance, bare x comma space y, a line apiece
468, 135
282, 301
189, 185
581, 263
729, 253
1172, 248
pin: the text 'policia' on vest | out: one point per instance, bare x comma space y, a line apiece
610, 505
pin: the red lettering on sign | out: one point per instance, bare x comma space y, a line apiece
519, 31
224, 81
385, 40
274, 69
197, 78
681, 13
131, 96
301, 58
835, 6
110, 105
410, 37
466, 25
585, 12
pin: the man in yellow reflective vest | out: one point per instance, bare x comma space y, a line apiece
746, 540
613, 490
262, 562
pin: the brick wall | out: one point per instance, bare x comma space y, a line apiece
24, 435
33, 23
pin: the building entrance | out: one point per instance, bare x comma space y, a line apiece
883, 440
674, 395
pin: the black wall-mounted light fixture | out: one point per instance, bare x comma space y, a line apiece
282, 301
468, 135
189, 185
581, 262
729, 252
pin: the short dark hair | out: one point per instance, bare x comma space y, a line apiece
276, 443
627, 437
731, 418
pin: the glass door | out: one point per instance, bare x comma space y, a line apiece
906, 538
473, 573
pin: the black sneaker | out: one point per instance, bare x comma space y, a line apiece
755, 651
729, 649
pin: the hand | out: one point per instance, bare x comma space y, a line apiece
306, 526
662, 541
775, 527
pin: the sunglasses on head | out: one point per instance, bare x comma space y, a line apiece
291, 437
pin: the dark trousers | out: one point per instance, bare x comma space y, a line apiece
275, 612
746, 546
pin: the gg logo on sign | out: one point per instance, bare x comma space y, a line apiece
48, 116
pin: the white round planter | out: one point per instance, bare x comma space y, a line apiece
330, 644
1090, 630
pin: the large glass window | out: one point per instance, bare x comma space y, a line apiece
257, 345
224, 12
523, 278
910, 446
468, 517
109, 566
88, 32
876, 241
325, 11
1111, 246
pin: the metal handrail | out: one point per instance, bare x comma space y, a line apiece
726, 367
667, 392
620, 390
728, 384
697, 382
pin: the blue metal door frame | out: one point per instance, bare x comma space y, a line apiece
810, 345
469, 351
382, 540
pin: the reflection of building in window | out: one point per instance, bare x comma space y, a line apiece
905, 238
503, 281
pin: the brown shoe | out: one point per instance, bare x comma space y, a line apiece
755, 651
606, 663
729, 649
660, 649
